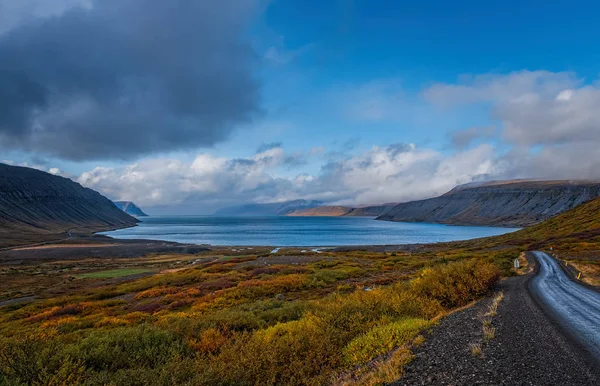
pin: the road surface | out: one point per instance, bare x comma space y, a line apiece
574, 306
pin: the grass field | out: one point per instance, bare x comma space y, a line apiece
113, 273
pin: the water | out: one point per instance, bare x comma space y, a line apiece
296, 231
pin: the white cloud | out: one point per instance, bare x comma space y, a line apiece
500, 88
382, 174
549, 121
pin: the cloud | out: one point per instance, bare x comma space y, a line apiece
461, 139
268, 146
550, 122
103, 79
15, 12
505, 88
383, 174
570, 115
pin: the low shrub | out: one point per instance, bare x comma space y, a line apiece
458, 283
382, 339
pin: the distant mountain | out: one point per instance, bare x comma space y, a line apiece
322, 211
338, 211
37, 206
270, 209
497, 203
130, 208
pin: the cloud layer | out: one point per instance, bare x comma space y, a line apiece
540, 125
99, 79
382, 174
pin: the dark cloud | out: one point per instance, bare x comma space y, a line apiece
127, 77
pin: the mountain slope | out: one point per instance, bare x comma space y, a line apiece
498, 203
130, 208
35, 206
578, 227
270, 209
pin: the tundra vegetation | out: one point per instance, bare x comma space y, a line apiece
241, 319
247, 317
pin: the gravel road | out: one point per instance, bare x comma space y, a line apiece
576, 307
529, 347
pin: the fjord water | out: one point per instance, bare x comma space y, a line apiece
296, 231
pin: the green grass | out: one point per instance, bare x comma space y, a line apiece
113, 273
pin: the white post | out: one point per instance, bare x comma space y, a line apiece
516, 263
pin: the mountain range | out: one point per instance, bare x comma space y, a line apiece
514, 203
269, 209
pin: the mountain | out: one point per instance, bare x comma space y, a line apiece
270, 209
337, 211
36, 206
130, 208
498, 203
322, 211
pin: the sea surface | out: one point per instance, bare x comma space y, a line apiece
282, 231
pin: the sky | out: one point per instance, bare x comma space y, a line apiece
184, 107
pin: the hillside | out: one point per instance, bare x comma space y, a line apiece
498, 203
130, 208
36, 206
268, 209
575, 229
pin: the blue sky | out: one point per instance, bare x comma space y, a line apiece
329, 90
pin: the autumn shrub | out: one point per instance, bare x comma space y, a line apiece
382, 339
155, 292
141, 346
218, 284
294, 353
209, 341
330, 275
458, 283
36, 359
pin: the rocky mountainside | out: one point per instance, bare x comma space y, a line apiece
499, 203
269, 209
130, 208
35, 206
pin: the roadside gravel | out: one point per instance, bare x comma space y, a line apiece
528, 348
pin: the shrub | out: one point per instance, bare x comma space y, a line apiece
458, 283
381, 340
294, 353
128, 347
35, 359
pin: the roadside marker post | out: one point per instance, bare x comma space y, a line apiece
579, 276
516, 263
